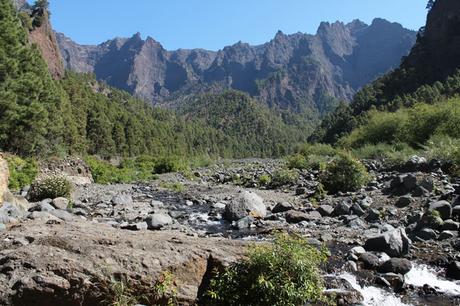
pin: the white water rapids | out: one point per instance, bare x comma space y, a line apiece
418, 276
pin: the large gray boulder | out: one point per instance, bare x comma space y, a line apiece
157, 221
245, 204
395, 243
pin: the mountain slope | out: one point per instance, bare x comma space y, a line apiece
427, 74
296, 72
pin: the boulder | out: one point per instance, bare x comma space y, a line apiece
4, 176
10, 213
246, 203
341, 209
396, 265
450, 225
282, 207
443, 207
426, 234
448, 235
370, 261
409, 181
157, 221
404, 201
60, 203
294, 216
243, 223
394, 243
357, 210
391, 280
325, 210
453, 270
420, 191
122, 199
373, 215
75, 263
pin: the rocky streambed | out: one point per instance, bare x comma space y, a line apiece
394, 242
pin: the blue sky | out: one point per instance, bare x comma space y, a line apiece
213, 24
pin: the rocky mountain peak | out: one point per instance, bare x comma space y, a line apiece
291, 71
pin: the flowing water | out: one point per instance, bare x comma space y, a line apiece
418, 277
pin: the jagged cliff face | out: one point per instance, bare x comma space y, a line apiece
437, 52
295, 72
45, 38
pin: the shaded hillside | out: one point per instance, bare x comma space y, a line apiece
299, 72
435, 56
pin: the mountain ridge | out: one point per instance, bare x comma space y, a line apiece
295, 71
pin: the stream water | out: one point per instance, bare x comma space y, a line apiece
418, 277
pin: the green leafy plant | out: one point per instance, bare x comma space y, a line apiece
120, 294
285, 273
345, 173
50, 188
22, 172
165, 290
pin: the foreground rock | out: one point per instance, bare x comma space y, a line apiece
73, 263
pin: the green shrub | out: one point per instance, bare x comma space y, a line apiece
391, 154
317, 149
297, 161
265, 180
130, 170
22, 172
345, 173
285, 273
284, 177
169, 164
50, 188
